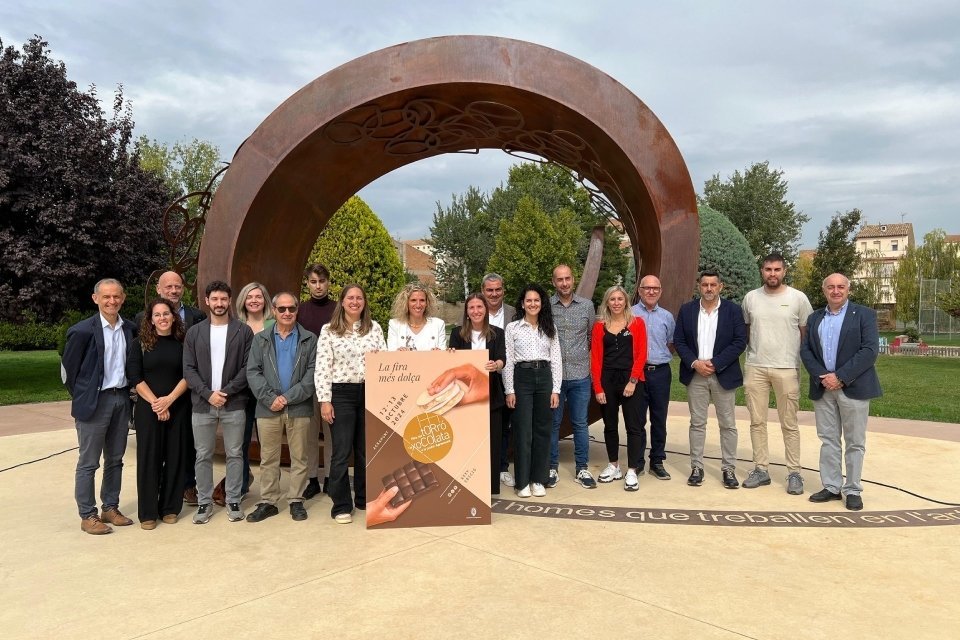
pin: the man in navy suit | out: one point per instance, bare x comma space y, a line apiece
840, 352
94, 364
709, 337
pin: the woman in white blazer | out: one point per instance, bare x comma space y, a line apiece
414, 325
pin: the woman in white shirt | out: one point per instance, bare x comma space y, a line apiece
339, 373
532, 380
414, 325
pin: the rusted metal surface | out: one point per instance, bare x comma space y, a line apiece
443, 95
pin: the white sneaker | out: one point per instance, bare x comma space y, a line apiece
506, 479
524, 493
343, 518
630, 481
610, 473
537, 490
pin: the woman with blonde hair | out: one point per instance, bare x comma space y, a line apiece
339, 376
618, 352
414, 325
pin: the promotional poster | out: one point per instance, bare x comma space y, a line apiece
425, 444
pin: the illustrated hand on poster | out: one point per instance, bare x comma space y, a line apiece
476, 382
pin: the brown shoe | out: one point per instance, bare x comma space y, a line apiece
148, 525
114, 517
220, 493
94, 525
190, 496
170, 518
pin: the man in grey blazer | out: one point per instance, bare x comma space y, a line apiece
215, 367
501, 314
840, 352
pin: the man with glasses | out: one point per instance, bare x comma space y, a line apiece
280, 375
501, 314
656, 389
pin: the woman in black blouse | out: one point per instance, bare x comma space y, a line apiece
476, 332
162, 416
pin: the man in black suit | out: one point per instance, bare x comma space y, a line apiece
840, 352
170, 287
94, 364
709, 337
501, 314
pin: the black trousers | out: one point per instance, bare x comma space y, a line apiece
163, 453
613, 382
532, 424
656, 398
347, 431
495, 445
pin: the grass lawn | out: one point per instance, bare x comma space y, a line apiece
914, 388
30, 376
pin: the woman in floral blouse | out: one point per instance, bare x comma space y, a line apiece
341, 347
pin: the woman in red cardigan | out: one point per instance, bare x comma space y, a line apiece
618, 351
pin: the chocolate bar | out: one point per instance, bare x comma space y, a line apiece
414, 479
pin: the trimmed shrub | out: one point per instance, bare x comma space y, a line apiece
725, 249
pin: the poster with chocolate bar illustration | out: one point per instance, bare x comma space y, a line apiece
427, 439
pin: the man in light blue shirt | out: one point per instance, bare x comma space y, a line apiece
660, 326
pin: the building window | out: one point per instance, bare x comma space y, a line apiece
894, 245
863, 246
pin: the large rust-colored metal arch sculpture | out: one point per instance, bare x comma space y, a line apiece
420, 99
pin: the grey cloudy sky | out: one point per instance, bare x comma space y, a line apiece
857, 102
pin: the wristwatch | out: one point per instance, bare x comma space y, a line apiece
634, 380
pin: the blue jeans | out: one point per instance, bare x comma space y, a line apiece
576, 395
104, 433
205, 439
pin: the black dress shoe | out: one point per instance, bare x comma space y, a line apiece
658, 472
312, 490
297, 512
696, 477
730, 479
262, 512
854, 503
824, 495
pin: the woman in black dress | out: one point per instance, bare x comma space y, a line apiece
162, 416
476, 332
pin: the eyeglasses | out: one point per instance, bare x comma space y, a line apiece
650, 288
286, 309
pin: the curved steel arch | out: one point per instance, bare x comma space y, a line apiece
420, 99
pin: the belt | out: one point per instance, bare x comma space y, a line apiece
654, 367
116, 390
534, 364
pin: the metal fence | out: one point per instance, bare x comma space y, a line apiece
934, 320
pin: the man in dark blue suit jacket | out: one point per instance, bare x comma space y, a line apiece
840, 352
709, 337
94, 364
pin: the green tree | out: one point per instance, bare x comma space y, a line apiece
184, 167
462, 237
756, 202
356, 248
75, 206
869, 288
531, 243
935, 259
724, 249
836, 253
803, 273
